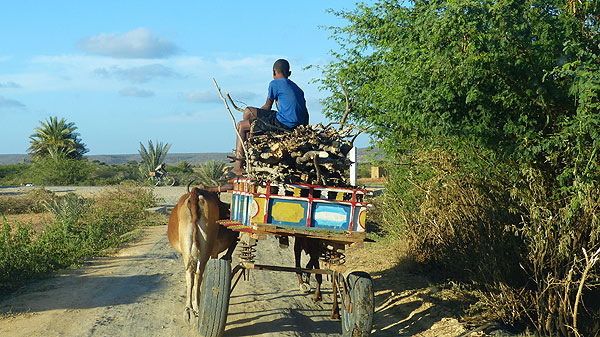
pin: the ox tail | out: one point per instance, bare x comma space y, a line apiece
189, 184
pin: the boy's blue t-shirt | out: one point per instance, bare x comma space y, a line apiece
292, 105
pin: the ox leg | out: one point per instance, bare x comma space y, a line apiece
196, 292
335, 310
188, 312
314, 264
204, 256
304, 287
230, 250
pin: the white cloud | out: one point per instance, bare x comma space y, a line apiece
137, 74
245, 63
135, 92
10, 103
138, 43
243, 97
203, 96
9, 84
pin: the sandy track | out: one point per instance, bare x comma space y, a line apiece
140, 292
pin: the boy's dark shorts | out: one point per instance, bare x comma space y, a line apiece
267, 122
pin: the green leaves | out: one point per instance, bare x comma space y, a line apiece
510, 91
153, 156
56, 138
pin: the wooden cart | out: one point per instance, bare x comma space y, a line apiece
335, 216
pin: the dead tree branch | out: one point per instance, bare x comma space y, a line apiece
348, 106
234, 106
234, 125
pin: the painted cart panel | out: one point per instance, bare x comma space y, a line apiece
307, 206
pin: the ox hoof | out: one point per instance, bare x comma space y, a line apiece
335, 315
188, 316
317, 298
305, 287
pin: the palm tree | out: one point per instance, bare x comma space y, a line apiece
211, 172
152, 157
56, 138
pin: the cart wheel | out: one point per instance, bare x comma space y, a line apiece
214, 298
358, 322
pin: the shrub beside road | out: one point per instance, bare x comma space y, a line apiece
80, 228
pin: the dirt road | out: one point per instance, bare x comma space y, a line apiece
140, 292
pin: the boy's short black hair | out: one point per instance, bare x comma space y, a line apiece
282, 66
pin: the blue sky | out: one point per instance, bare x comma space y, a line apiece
127, 72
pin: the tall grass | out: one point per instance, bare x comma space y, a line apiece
505, 229
81, 229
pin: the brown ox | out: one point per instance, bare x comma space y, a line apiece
312, 247
194, 232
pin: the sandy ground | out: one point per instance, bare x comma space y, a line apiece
140, 292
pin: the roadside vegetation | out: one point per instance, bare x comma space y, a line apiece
79, 228
489, 113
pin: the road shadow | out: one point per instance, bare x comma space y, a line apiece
81, 292
295, 323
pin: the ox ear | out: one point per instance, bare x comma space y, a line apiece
202, 204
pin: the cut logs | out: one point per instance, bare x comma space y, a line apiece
312, 154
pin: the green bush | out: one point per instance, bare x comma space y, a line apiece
101, 175
454, 219
60, 171
14, 175
491, 110
82, 228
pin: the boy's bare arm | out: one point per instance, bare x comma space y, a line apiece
267, 105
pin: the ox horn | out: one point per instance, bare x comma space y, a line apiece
189, 184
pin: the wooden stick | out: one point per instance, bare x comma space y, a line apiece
343, 120
234, 126
234, 106
589, 264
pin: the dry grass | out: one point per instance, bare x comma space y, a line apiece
36, 220
409, 300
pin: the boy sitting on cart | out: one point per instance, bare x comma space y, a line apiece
291, 111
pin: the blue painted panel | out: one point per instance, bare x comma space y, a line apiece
331, 216
246, 215
235, 207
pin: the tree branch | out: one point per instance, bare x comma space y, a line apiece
348, 107
234, 124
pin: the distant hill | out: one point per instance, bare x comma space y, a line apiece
171, 159
118, 159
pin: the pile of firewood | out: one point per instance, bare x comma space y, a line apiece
312, 154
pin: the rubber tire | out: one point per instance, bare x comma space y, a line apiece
360, 321
214, 298
169, 181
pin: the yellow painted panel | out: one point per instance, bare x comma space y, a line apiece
260, 212
339, 196
287, 212
362, 218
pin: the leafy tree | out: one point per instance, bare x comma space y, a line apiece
56, 138
153, 156
184, 167
506, 95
